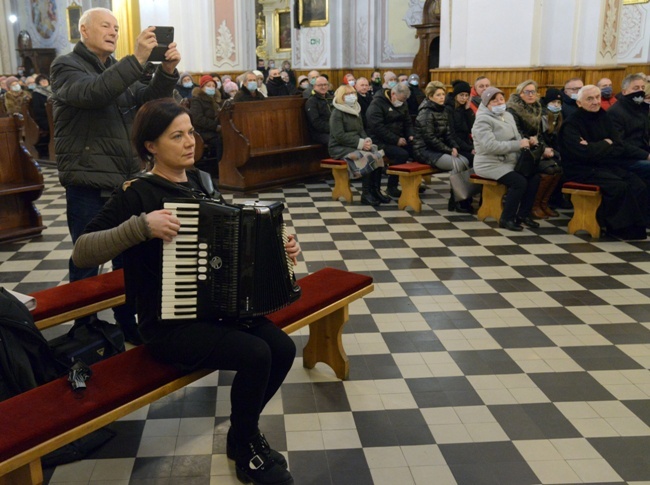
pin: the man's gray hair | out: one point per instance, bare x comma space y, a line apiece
630, 78
586, 87
401, 88
85, 17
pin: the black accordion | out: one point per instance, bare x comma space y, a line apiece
227, 261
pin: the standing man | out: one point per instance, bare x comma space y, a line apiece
95, 100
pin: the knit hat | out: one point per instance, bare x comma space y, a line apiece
488, 94
206, 78
258, 73
552, 94
10, 80
301, 79
461, 87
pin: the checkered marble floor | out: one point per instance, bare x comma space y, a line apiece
482, 357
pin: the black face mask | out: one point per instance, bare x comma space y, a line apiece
636, 96
376, 81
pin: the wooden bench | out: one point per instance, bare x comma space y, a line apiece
492, 197
45, 418
21, 183
410, 177
341, 178
267, 144
586, 200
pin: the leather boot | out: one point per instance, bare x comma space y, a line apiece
375, 178
451, 205
253, 464
367, 198
391, 187
537, 212
554, 180
276, 456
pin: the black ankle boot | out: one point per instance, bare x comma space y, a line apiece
367, 197
451, 204
254, 465
510, 225
391, 187
276, 456
527, 221
375, 177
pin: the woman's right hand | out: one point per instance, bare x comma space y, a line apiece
367, 144
524, 143
163, 224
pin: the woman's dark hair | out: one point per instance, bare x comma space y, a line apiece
151, 121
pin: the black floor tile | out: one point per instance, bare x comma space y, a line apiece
520, 337
627, 455
541, 421
570, 386
485, 362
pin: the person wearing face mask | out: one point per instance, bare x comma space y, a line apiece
630, 118
416, 97
375, 82
204, 108
349, 79
248, 90
390, 127
185, 85
462, 118
286, 67
312, 76
219, 85
551, 123
319, 109
497, 142
275, 86
349, 142
302, 86
434, 144
30, 82
607, 98
39, 101
570, 96
15, 96
594, 154
390, 81
261, 87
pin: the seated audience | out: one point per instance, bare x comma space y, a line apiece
3, 84
526, 109
416, 97
319, 109
364, 97
330, 90
205, 107
349, 79
40, 96
433, 143
30, 83
480, 85
389, 125
570, 95
218, 82
390, 81
285, 79
249, 91
551, 124
375, 82
312, 76
349, 142
286, 67
498, 144
15, 95
593, 154
402, 78
261, 87
230, 88
462, 119
275, 86
607, 98
303, 85
185, 85
630, 118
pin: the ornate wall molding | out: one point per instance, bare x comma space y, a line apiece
609, 31
634, 24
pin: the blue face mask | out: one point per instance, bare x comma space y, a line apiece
392, 84
251, 86
31, 86
554, 109
210, 91
188, 84
498, 109
607, 92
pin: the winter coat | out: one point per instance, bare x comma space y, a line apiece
277, 87
433, 137
569, 105
245, 95
528, 117
346, 131
318, 110
631, 121
204, 110
185, 93
496, 141
415, 99
14, 101
551, 124
39, 103
364, 102
462, 120
385, 123
94, 107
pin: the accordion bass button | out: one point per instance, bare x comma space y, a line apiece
202, 277
203, 246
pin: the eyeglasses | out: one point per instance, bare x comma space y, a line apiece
321, 85
529, 92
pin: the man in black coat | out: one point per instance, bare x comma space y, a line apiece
364, 96
318, 110
592, 153
95, 100
275, 86
570, 95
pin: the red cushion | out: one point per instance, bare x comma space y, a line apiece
319, 290
578, 186
332, 161
478, 177
410, 167
61, 299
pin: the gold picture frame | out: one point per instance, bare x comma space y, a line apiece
313, 13
73, 14
282, 30
632, 2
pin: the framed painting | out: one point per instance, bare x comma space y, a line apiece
74, 14
314, 13
282, 29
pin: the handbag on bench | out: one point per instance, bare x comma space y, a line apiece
89, 342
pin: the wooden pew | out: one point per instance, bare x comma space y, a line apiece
21, 183
267, 144
32, 133
45, 418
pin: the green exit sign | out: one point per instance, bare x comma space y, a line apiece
314, 41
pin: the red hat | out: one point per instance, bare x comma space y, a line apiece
205, 79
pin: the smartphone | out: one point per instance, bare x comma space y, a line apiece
164, 37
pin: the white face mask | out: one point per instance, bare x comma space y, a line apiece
218, 84
498, 109
350, 99
397, 103
351, 83
16, 88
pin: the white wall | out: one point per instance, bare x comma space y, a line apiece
556, 37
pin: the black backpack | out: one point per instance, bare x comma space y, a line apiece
26, 360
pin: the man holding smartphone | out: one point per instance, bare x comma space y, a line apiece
95, 100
